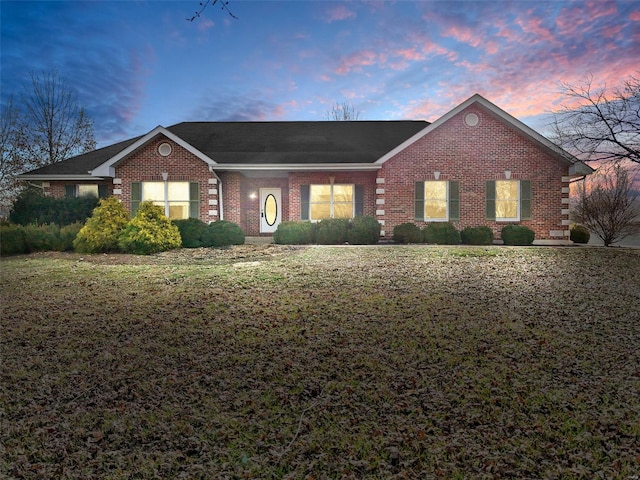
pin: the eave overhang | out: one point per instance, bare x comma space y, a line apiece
61, 177
296, 167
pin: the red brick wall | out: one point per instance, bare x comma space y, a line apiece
57, 189
472, 155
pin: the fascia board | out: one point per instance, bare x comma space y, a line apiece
60, 177
293, 167
106, 169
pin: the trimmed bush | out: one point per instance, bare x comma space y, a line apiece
223, 233
100, 233
579, 233
32, 207
194, 233
332, 231
482, 235
42, 238
407, 233
364, 231
68, 234
441, 233
149, 231
295, 233
517, 235
12, 241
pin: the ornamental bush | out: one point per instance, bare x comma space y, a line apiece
579, 233
407, 233
149, 231
100, 233
33, 207
441, 233
12, 240
223, 233
332, 231
482, 235
364, 230
295, 233
194, 233
517, 235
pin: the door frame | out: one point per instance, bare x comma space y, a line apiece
276, 192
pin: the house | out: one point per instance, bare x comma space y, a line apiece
476, 165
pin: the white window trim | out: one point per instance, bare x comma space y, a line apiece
518, 203
434, 220
166, 195
331, 201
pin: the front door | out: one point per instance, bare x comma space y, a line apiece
270, 209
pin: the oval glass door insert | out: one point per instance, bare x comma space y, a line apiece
270, 210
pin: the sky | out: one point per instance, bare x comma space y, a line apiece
138, 64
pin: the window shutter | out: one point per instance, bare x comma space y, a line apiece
136, 196
490, 205
454, 200
69, 190
419, 201
359, 200
525, 200
304, 202
194, 200
103, 191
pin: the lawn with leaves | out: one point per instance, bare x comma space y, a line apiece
322, 363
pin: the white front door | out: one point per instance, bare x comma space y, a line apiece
270, 209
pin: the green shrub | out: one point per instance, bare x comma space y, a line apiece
149, 231
33, 207
42, 238
517, 235
295, 233
364, 231
407, 233
68, 234
579, 233
194, 233
441, 233
223, 233
12, 241
482, 235
100, 233
332, 231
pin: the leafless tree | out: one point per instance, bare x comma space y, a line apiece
597, 125
342, 112
607, 204
11, 159
224, 5
55, 126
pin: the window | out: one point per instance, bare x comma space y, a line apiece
85, 190
437, 201
178, 199
508, 200
331, 201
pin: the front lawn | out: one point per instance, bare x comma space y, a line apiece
322, 363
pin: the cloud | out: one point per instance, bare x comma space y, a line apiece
229, 107
355, 61
339, 13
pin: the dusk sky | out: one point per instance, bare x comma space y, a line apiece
139, 64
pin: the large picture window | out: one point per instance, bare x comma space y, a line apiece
331, 201
179, 200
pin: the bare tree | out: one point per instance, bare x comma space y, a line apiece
224, 5
56, 127
11, 159
342, 112
607, 204
596, 125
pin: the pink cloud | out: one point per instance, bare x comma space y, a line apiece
635, 16
463, 34
339, 13
356, 61
534, 27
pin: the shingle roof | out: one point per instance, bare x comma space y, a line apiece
268, 143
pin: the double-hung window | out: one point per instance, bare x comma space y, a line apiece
437, 201
179, 200
331, 201
508, 200
86, 190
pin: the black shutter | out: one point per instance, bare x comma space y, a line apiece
359, 200
419, 201
136, 196
69, 190
304, 202
454, 200
525, 200
103, 191
490, 198
194, 200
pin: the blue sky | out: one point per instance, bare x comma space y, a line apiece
138, 64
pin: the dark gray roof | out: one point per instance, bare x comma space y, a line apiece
269, 143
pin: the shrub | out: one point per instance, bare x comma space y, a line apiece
68, 234
33, 207
579, 233
194, 233
517, 235
223, 233
149, 231
12, 241
295, 233
407, 233
476, 235
332, 231
100, 233
441, 233
364, 231
42, 238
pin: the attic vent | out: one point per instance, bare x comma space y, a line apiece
164, 149
471, 119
